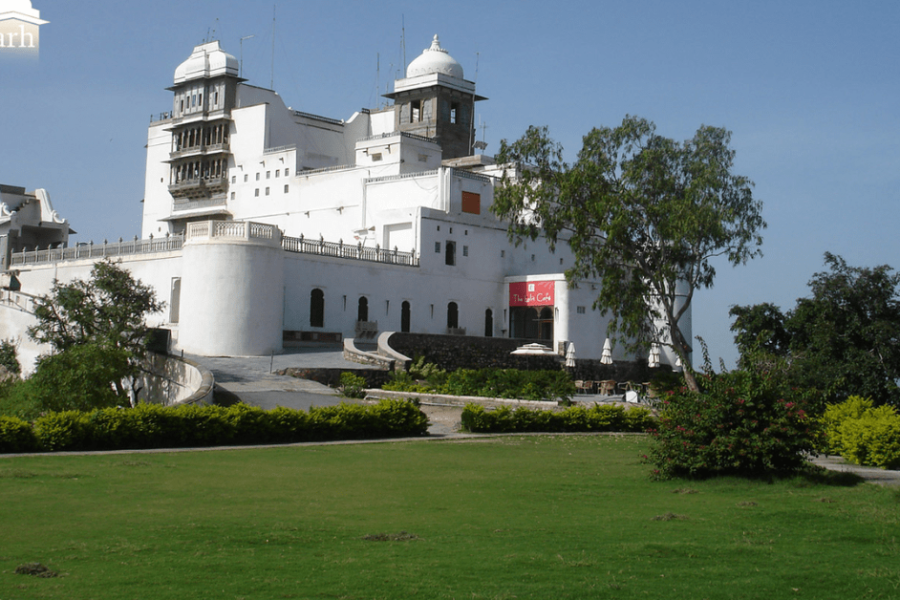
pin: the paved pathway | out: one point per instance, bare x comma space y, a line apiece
252, 378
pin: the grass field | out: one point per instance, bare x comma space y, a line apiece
517, 517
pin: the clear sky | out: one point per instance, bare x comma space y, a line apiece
809, 88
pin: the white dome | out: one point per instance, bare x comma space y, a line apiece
207, 60
435, 60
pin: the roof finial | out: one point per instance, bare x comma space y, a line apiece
436, 46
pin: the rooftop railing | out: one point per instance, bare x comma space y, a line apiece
357, 251
91, 250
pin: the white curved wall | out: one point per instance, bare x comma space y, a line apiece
232, 297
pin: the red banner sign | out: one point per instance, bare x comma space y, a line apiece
531, 293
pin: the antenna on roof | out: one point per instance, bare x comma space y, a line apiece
246, 37
272, 82
403, 41
472, 119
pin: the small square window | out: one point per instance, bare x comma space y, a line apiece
437, 247
287, 188
256, 192
580, 310
267, 191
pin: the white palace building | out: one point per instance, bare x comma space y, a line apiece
264, 226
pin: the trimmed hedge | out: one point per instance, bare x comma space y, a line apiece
156, 426
570, 420
490, 383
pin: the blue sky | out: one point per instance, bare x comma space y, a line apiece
809, 89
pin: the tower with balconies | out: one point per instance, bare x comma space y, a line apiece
204, 94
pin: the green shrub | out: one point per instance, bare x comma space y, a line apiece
16, 435
156, 426
835, 416
748, 423
60, 431
477, 419
873, 438
17, 400
353, 386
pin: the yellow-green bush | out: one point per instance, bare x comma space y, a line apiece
862, 434
835, 415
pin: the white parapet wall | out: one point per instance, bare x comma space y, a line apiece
171, 380
232, 293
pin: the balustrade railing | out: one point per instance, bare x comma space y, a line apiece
357, 251
91, 250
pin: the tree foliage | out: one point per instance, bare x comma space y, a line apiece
101, 319
644, 214
844, 339
109, 309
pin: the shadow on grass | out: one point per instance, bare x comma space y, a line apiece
823, 476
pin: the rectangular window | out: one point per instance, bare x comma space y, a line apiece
246, 177
256, 193
217, 97
232, 195
415, 111
287, 189
287, 172
437, 247
277, 173
376, 157
234, 179
267, 191
194, 100
580, 310
465, 250
268, 174
454, 112
423, 158
257, 176
502, 253
471, 203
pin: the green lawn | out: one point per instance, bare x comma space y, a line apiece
519, 517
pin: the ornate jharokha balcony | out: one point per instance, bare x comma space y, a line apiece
202, 188
200, 149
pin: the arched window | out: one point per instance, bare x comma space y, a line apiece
488, 323
450, 253
452, 316
362, 311
404, 317
317, 308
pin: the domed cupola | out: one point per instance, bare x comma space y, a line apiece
435, 60
207, 60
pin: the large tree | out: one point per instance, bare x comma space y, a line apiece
108, 311
644, 214
844, 339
